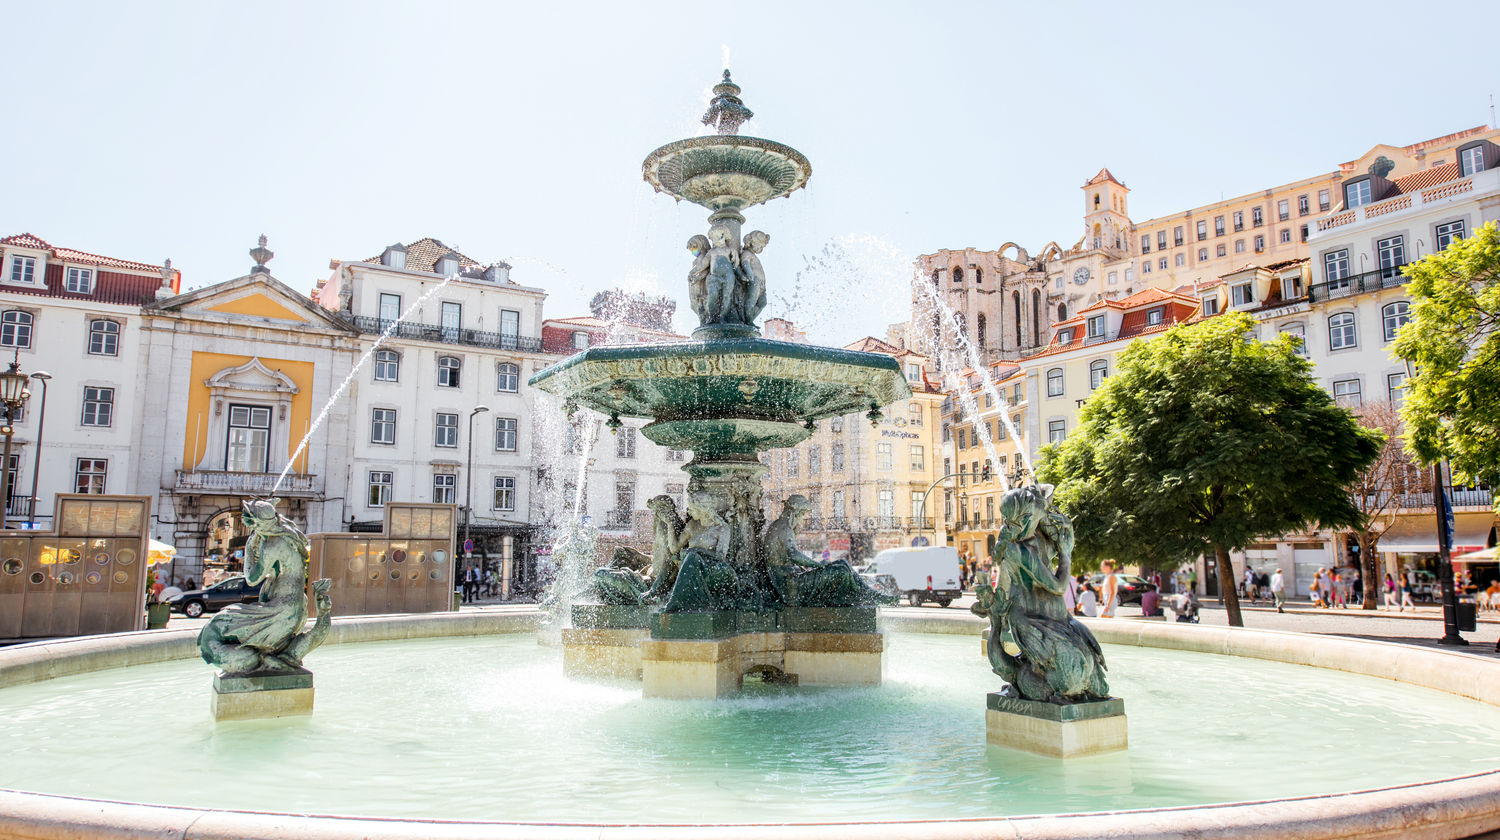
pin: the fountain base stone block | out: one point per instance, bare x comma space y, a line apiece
611, 615
256, 696
1057, 731
596, 652
712, 668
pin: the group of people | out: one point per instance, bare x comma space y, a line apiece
1332, 590
479, 583
1398, 593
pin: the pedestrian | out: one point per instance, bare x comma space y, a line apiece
1150, 603
1109, 594
1315, 589
1406, 597
1337, 583
1278, 590
1357, 588
1070, 595
1088, 600
1390, 590
1247, 585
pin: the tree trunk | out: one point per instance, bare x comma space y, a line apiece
1226, 587
1370, 574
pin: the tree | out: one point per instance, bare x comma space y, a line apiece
1204, 441
1452, 404
1376, 491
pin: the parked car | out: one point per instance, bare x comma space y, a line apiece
1130, 587
918, 574
196, 602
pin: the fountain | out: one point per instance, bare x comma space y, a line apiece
723, 593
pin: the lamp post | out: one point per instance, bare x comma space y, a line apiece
468, 479
1443, 514
36, 467
13, 394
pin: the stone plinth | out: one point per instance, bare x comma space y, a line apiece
1058, 731
712, 668
255, 696
603, 652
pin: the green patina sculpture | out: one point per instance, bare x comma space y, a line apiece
1035, 644
267, 637
804, 582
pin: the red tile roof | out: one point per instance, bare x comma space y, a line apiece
423, 254
28, 240
120, 287
1104, 175
1429, 177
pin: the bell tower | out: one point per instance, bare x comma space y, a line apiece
1106, 213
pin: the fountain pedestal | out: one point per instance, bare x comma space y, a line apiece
256, 696
1053, 729
711, 668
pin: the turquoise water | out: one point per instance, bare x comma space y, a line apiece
489, 728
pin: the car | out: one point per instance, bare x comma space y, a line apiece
233, 590
919, 574
1131, 587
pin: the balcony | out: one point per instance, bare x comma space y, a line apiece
1369, 281
231, 483
1483, 182
449, 335
1461, 497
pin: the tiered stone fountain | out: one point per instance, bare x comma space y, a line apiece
725, 594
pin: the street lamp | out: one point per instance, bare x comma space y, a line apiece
13, 394
468, 479
36, 468
1443, 511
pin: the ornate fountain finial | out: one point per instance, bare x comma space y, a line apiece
727, 112
262, 255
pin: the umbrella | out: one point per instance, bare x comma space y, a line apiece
1478, 556
159, 552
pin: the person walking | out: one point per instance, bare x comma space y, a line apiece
1406, 596
1110, 590
1278, 590
1247, 585
1390, 590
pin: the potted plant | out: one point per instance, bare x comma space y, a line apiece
158, 612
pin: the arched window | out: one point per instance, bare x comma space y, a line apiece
978, 275
1341, 331
1062, 312
979, 330
448, 370
1015, 298
1393, 315
104, 337
958, 274
1055, 382
508, 378
15, 328
387, 366
934, 278
1098, 369
1036, 317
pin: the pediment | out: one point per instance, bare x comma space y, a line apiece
252, 376
254, 298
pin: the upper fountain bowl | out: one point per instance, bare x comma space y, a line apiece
726, 171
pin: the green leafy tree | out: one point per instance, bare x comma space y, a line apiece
1204, 441
1452, 405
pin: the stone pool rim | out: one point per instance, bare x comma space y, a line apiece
1462, 806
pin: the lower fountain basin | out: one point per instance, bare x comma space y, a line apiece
486, 728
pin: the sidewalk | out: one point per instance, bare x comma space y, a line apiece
1430, 612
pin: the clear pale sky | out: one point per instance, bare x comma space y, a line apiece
516, 130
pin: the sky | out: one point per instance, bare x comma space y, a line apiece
516, 131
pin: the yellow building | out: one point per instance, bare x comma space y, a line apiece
982, 457
866, 482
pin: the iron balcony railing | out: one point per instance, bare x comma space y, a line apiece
449, 335
1459, 496
1369, 281
18, 507
230, 482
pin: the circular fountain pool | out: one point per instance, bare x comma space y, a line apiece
488, 728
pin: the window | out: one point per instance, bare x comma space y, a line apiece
452, 320
793, 463
89, 475
449, 368
505, 493
1257, 216
979, 331
580, 340
624, 442
958, 274
1162, 264
836, 457
1300, 334
913, 372
963, 438
1239, 220
1291, 286
98, 406
676, 455
1286, 235
507, 378
1471, 160
836, 425
1202, 255
1180, 260
387, 366
1177, 235
1303, 233
383, 425
1302, 206
1146, 267
838, 504
22, 269
380, 488
887, 504
1240, 294
1202, 230
1395, 386
1283, 210
104, 337
445, 433
1096, 326
1056, 430
884, 457
1239, 246
1055, 382
249, 441
1356, 194
1221, 250
1146, 243
1336, 270
1341, 331
510, 329
914, 414
1065, 336
1260, 243
79, 281
1390, 256
1114, 278
1154, 317
1446, 233
1098, 369
15, 328
1346, 393
444, 489
918, 457
1161, 240
917, 503
1210, 306
1392, 316
390, 310
505, 435
814, 462
1323, 200
1218, 226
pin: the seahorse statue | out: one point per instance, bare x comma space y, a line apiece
268, 636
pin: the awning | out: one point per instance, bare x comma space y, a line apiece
1489, 555
160, 552
1417, 534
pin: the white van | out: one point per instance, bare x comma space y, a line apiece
919, 574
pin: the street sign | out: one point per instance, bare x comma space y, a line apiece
919, 542
587, 519
468, 546
826, 555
